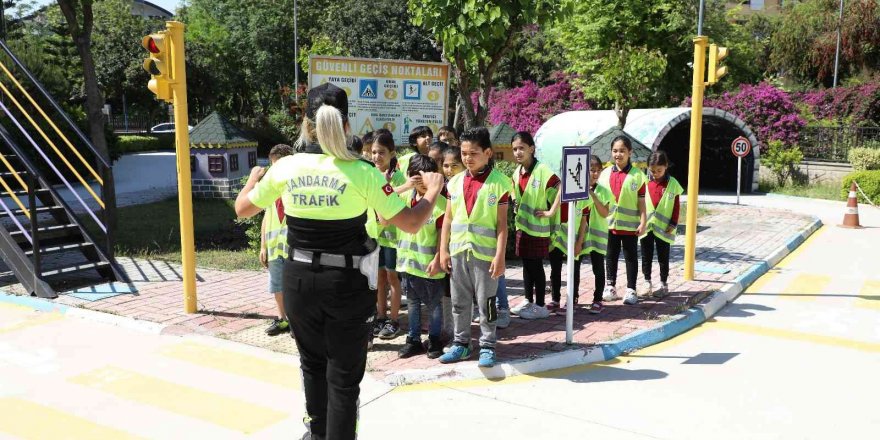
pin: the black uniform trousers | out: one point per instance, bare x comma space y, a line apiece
330, 312
630, 245
648, 244
557, 259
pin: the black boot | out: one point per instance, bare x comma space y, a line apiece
435, 347
411, 348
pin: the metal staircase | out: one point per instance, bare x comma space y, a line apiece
49, 241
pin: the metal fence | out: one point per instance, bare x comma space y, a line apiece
832, 144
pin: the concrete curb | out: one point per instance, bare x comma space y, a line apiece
44, 305
678, 324
604, 352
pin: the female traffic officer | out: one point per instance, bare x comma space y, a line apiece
327, 294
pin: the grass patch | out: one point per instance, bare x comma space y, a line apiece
701, 213
153, 230
824, 190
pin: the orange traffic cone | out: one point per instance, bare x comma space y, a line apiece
851, 218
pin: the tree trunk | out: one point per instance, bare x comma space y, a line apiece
82, 39
621, 111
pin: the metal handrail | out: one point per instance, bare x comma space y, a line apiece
52, 144
52, 124
100, 155
52, 165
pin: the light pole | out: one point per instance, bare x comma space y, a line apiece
837, 52
295, 57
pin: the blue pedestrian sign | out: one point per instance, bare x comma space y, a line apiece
368, 89
412, 90
576, 173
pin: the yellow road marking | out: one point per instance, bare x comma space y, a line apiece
561, 372
871, 347
869, 295
42, 318
14, 306
211, 407
235, 363
806, 287
795, 253
759, 284
28, 420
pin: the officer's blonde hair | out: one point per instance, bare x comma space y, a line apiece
328, 130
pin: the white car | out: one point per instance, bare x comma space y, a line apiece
167, 127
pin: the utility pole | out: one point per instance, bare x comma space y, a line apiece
837, 52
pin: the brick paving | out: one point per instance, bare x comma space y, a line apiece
235, 305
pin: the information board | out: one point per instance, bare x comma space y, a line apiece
393, 94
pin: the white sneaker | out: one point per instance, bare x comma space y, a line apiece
534, 312
520, 307
609, 294
630, 298
645, 289
503, 320
662, 292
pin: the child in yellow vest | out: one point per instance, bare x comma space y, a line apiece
627, 218
536, 191
273, 248
592, 239
663, 211
473, 244
415, 253
383, 151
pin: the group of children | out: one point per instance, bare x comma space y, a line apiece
460, 251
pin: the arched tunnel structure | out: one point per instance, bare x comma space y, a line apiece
666, 129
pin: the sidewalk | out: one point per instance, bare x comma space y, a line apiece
235, 305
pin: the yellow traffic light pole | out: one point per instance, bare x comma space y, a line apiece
167, 67
690, 239
716, 54
184, 178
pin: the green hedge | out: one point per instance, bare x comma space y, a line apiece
136, 144
865, 159
869, 181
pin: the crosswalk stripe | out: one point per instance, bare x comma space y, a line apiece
236, 363
211, 407
28, 420
870, 347
806, 287
43, 318
869, 295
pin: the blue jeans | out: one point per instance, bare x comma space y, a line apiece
430, 293
501, 294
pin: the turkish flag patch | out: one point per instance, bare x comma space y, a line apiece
387, 189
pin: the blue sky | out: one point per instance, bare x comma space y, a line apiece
170, 5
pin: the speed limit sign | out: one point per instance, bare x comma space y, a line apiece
741, 147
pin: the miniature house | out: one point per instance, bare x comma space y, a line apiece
220, 155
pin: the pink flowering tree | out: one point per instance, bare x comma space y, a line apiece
526, 107
854, 105
768, 110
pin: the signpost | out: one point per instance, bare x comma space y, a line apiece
575, 186
741, 147
392, 94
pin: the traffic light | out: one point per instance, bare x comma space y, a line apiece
716, 54
158, 64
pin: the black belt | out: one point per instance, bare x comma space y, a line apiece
327, 260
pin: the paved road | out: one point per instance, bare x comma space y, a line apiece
794, 357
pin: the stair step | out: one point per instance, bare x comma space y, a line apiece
40, 210
76, 268
23, 193
11, 175
16, 234
53, 249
